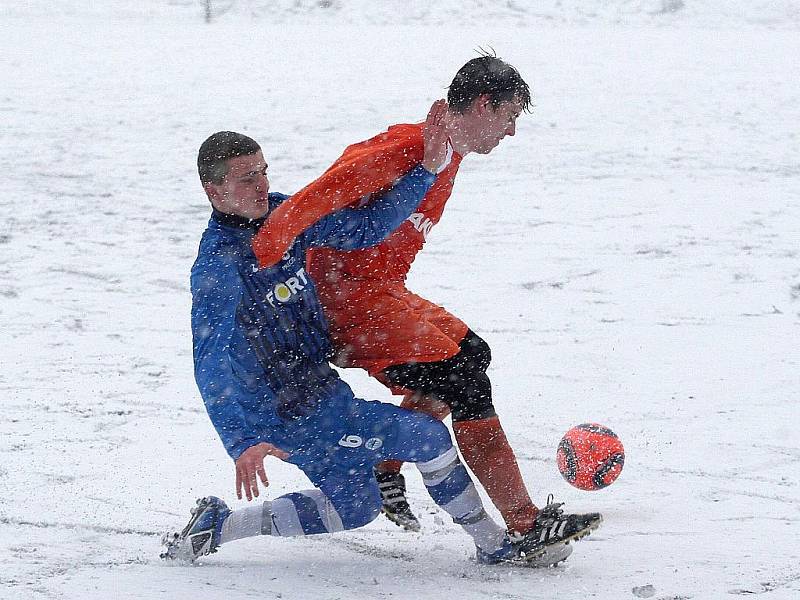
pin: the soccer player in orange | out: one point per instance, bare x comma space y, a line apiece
408, 343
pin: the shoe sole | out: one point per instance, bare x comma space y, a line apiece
169, 540
405, 525
529, 562
561, 551
578, 535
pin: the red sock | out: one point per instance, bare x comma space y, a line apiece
486, 451
389, 466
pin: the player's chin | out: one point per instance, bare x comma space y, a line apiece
258, 209
488, 147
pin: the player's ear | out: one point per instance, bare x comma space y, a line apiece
478, 106
212, 191
483, 104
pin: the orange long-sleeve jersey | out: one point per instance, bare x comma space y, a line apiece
364, 168
374, 321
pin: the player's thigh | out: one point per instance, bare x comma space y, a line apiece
404, 435
434, 316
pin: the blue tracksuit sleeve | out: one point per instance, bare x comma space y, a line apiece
354, 228
223, 379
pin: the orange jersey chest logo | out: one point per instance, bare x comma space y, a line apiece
421, 223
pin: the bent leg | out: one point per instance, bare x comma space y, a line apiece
342, 501
462, 383
339, 451
308, 512
450, 486
348, 494
426, 441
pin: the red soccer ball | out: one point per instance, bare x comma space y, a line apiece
590, 456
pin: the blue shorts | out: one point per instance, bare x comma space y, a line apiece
338, 446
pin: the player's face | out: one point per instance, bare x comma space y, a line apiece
486, 126
244, 189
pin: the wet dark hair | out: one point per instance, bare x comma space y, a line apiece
218, 149
487, 74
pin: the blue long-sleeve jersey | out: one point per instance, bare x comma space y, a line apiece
261, 343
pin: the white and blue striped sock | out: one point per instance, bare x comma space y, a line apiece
450, 486
300, 513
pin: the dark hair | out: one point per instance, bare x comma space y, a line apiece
487, 74
218, 149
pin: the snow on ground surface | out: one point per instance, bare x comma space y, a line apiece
631, 255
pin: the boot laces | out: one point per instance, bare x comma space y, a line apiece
552, 511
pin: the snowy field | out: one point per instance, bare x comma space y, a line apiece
632, 256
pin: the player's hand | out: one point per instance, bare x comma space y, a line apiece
435, 136
250, 468
267, 248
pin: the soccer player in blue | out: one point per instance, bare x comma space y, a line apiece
261, 353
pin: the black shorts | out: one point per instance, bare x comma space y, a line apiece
460, 381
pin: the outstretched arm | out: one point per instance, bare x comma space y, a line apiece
355, 228
215, 296
362, 170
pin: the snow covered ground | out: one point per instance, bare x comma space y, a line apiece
632, 256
